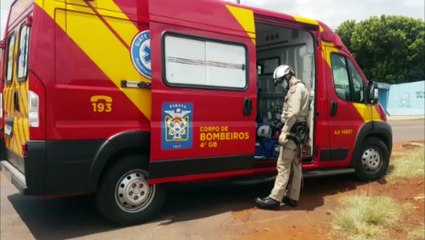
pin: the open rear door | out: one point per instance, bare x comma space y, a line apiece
203, 90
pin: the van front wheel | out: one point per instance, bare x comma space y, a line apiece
125, 197
373, 161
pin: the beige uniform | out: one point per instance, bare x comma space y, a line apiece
295, 109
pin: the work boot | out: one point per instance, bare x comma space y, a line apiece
289, 202
267, 203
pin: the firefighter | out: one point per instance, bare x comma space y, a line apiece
294, 116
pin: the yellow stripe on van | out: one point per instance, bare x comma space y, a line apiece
245, 17
367, 112
105, 49
49, 8
115, 18
327, 50
306, 20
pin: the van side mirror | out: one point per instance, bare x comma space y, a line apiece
372, 93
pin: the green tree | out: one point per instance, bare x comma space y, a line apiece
389, 48
345, 31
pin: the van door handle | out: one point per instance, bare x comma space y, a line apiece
16, 100
334, 108
247, 107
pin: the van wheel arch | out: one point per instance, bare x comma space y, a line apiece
123, 154
115, 148
372, 160
380, 130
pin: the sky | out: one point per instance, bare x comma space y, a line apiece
334, 12
331, 12
4, 10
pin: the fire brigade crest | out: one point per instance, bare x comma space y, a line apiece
177, 126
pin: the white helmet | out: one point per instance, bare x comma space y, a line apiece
281, 72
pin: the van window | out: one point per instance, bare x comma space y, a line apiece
204, 63
357, 83
10, 56
340, 75
348, 83
24, 36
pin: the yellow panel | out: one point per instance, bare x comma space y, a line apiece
90, 33
375, 114
245, 18
109, 54
113, 16
327, 50
49, 7
306, 20
366, 112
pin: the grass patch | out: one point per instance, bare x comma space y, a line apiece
409, 165
366, 217
417, 234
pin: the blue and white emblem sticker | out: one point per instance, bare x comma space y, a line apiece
176, 126
141, 53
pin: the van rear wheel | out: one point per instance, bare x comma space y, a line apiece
373, 161
125, 197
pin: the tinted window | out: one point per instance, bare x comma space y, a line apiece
24, 36
358, 95
203, 62
10, 56
348, 83
340, 76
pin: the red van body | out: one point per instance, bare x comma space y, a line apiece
119, 97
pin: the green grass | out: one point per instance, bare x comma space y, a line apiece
410, 164
417, 234
366, 217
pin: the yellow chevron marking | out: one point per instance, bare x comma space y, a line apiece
88, 31
245, 17
115, 16
367, 112
375, 114
306, 20
49, 8
327, 50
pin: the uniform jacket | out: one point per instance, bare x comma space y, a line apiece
295, 107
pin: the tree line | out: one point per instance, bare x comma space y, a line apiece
389, 49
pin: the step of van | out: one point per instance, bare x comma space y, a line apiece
307, 174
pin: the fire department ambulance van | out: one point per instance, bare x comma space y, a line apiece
120, 97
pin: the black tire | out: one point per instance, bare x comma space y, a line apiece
372, 161
114, 200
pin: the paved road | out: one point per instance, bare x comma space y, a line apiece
190, 212
408, 130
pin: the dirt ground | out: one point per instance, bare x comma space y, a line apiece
213, 211
304, 223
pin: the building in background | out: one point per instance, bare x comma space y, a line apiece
407, 99
384, 92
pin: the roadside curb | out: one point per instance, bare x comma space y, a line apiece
414, 117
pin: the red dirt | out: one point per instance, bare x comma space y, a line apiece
321, 196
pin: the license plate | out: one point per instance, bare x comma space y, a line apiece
8, 130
